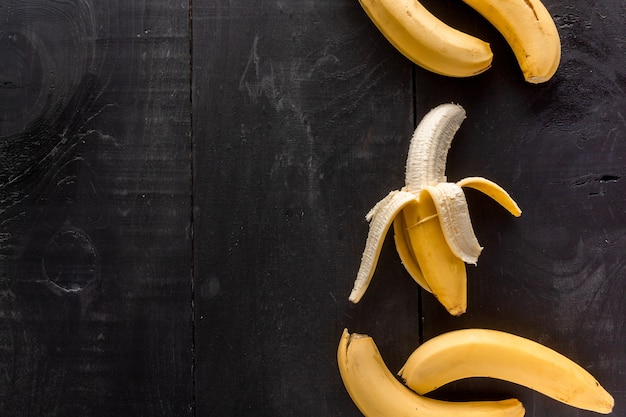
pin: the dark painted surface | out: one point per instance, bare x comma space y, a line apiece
556, 274
151, 265
95, 249
306, 117
292, 147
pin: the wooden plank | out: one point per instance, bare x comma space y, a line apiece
301, 116
295, 143
95, 276
554, 275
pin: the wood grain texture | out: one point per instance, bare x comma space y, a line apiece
291, 150
177, 249
95, 209
556, 274
297, 151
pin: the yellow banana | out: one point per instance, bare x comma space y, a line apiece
426, 40
430, 43
490, 353
531, 32
405, 251
378, 393
432, 228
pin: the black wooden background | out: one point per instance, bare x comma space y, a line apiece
183, 188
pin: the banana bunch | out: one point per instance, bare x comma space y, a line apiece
526, 25
432, 228
461, 354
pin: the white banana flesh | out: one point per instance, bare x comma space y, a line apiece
378, 393
490, 353
429, 146
433, 232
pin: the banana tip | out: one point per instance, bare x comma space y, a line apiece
355, 295
537, 79
456, 310
607, 406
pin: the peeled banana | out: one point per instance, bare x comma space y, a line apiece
434, 236
378, 393
490, 353
432, 44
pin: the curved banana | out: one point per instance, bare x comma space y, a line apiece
432, 227
426, 40
378, 393
531, 32
490, 353
429, 146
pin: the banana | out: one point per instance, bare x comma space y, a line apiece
530, 31
378, 393
428, 149
526, 25
426, 40
490, 353
433, 233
